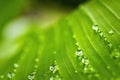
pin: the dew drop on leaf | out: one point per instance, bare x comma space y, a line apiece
111, 32
51, 78
110, 45
79, 53
101, 33
85, 61
76, 44
57, 77
54, 68
51, 68
14, 70
76, 71
95, 28
10, 75
116, 54
36, 66
96, 75
85, 68
74, 36
2, 76
37, 59
31, 76
16, 65
108, 67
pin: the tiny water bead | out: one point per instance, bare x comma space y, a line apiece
77, 44
101, 34
2, 76
116, 54
110, 45
14, 70
108, 67
85, 61
74, 36
79, 53
111, 32
95, 28
53, 68
16, 65
57, 77
10, 75
31, 76
76, 71
37, 60
35, 66
51, 78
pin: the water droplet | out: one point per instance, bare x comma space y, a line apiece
111, 32
16, 65
96, 75
53, 68
108, 67
51, 78
101, 33
10, 75
74, 36
37, 59
116, 54
76, 71
76, 44
95, 28
79, 52
14, 70
36, 66
85, 61
31, 76
105, 39
57, 77
91, 69
110, 45
85, 68
2, 76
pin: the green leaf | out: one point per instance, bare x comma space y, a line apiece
85, 45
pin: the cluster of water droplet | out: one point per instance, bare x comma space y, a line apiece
11, 74
53, 68
55, 72
31, 76
101, 34
36, 63
87, 68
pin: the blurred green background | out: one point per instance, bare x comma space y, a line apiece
41, 12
